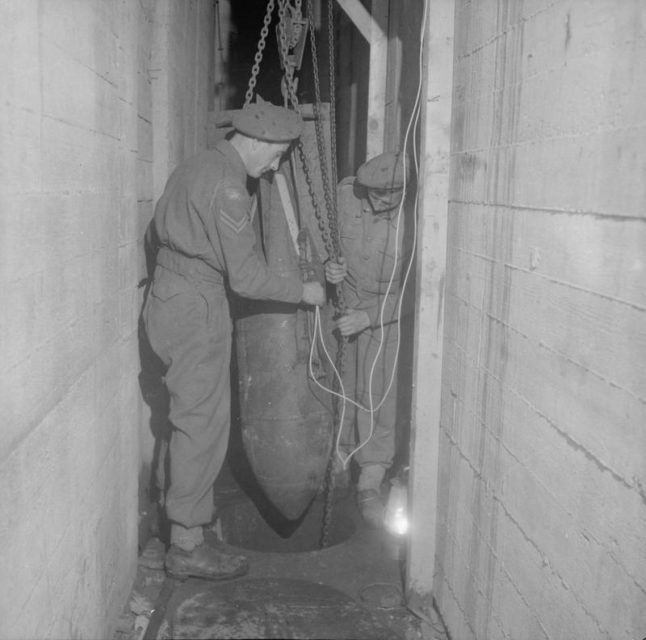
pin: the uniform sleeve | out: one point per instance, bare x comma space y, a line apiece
372, 307
246, 270
398, 305
371, 303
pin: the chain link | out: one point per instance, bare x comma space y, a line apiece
264, 32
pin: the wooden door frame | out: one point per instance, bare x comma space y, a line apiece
436, 107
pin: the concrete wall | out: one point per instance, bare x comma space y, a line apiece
183, 77
182, 85
543, 449
76, 158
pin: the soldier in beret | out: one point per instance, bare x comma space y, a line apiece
368, 215
206, 239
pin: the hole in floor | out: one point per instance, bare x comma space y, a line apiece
242, 525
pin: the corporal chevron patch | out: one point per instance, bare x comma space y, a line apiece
236, 225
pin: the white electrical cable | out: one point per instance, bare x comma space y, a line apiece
372, 409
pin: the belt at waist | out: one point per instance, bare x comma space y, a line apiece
185, 266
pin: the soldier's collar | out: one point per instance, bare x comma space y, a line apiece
390, 215
229, 151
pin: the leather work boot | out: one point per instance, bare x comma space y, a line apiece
371, 507
206, 562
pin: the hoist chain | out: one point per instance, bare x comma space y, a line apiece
333, 167
329, 231
290, 83
331, 211
332, 71
310, 188
291, 91
264, 32
334, 248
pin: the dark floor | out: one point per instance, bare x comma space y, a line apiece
353, 588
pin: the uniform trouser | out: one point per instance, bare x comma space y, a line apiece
359, 355
375, 377
346, 410
189, 328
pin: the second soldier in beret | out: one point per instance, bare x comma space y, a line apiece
203, 226
371, 269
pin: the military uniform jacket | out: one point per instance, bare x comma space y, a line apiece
372, 249
205, 231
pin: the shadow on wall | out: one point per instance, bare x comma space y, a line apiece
155, 395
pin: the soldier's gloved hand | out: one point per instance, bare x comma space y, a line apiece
336, 272
353, 321
313, 293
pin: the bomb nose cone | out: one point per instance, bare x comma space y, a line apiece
292, 502
289, 458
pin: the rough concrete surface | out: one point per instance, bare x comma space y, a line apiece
350, 590
541, 504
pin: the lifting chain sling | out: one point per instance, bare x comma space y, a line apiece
340, 298
329, 232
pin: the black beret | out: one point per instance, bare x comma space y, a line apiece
268, 122
385, 171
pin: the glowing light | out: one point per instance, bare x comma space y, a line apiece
399, 524
396, 517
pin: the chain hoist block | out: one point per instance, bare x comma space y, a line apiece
294, 28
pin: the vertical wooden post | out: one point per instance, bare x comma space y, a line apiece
393, 99
437, 73
373, 26
378, 78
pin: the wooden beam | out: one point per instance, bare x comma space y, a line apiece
394, 100
359, 16
437, 73
223, 119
